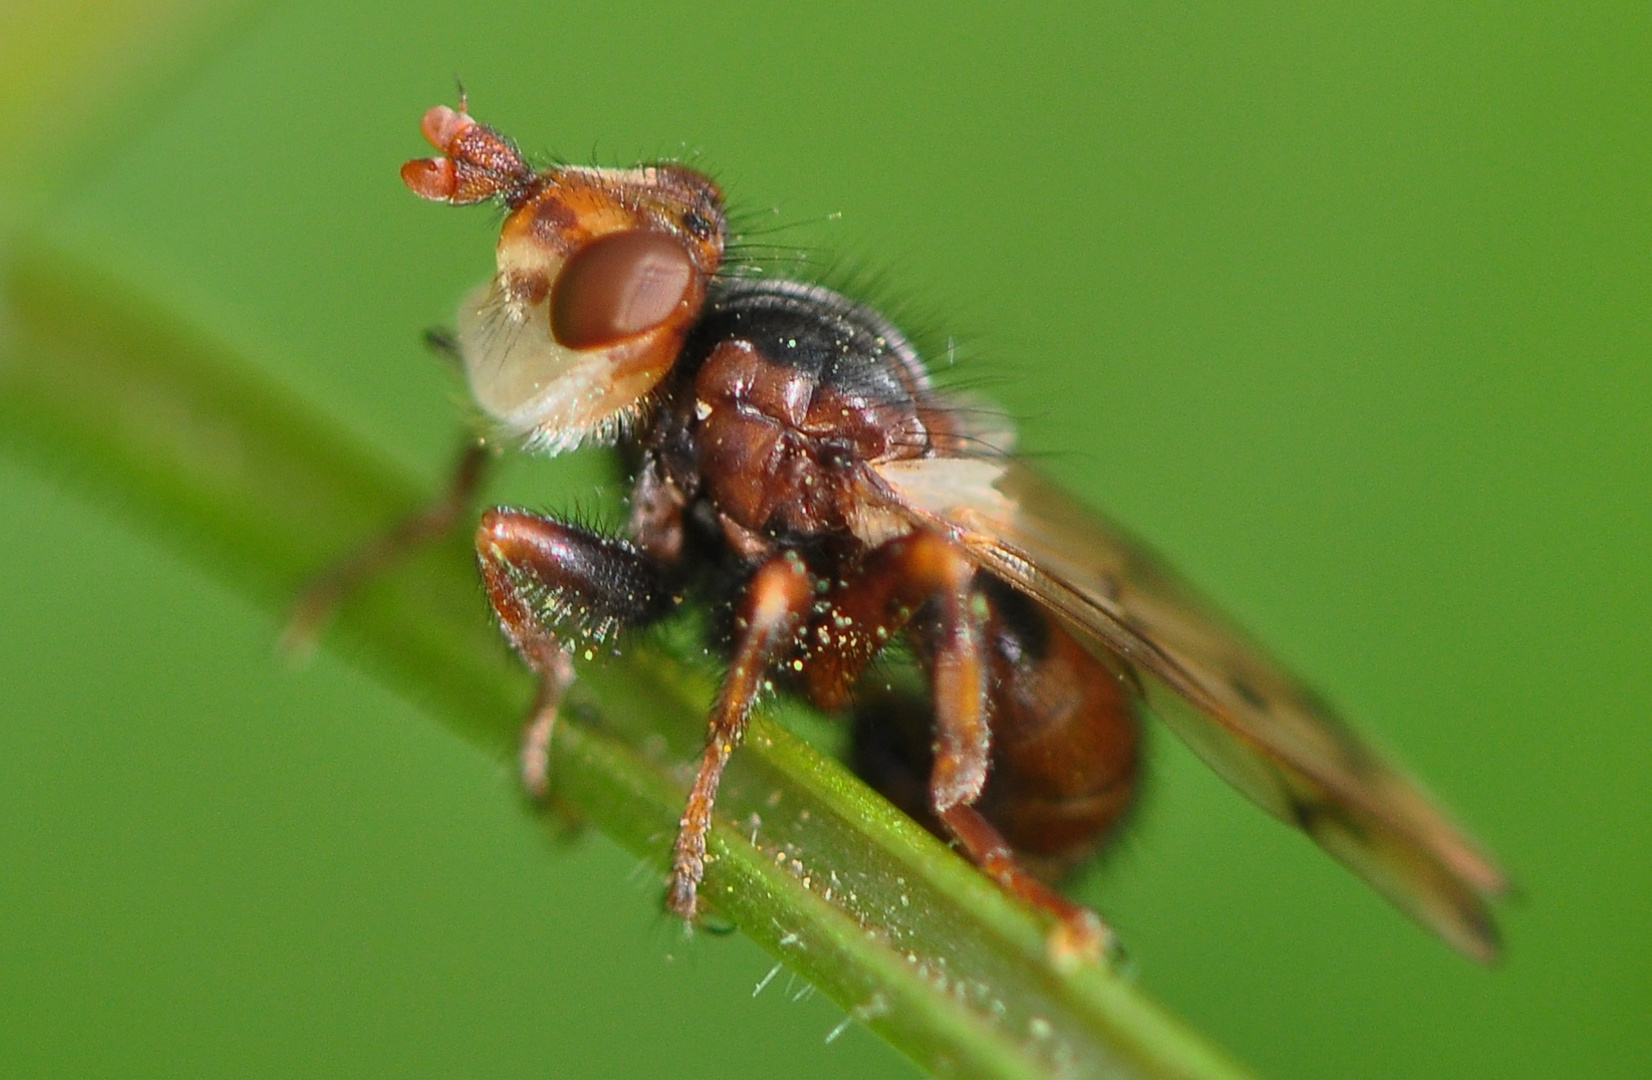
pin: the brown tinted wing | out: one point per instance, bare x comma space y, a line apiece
1252, 721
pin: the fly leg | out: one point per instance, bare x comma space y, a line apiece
958, 674
322, 597
958, 668
766, 623
876, 601
1079, 934
892, 584
543, 574
332, 586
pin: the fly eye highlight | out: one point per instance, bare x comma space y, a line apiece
619, 286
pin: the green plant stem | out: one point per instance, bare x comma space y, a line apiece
125, 398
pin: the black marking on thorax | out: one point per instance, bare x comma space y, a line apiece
844, 347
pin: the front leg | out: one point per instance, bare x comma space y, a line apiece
541, 574
328, 590
426, 525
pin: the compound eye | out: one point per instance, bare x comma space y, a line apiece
618, 286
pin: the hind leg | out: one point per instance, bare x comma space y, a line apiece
987, 668
894, 582
1079, 934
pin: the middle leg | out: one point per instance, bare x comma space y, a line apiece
766, 623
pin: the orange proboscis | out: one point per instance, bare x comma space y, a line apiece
476, 164
442, 125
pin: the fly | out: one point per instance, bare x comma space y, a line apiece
795, 469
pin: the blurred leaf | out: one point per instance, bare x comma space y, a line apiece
76, 77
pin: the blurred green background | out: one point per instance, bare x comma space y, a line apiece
1346, 311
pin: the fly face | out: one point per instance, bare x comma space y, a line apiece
600, 275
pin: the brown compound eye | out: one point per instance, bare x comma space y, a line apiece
618, 286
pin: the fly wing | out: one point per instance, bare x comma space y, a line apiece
1252, 721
